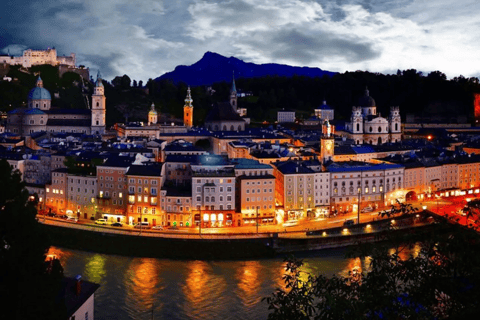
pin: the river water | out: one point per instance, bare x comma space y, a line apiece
147, 288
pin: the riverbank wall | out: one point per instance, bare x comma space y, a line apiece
210, 246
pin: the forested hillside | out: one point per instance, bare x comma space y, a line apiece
128, 100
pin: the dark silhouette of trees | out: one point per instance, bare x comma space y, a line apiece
28, 286
433, 276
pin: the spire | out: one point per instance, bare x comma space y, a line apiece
188, 99
99, 83
39, 82
234, 89
152, 107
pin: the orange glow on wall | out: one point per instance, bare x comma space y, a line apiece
476, 106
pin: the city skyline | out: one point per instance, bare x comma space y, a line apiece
148, 39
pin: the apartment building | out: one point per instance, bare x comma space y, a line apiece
144, 183
112, 188
355, 184
56, 191
213, 191
255, 185
81, 195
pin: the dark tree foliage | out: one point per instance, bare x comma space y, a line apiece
435, 276
28, 287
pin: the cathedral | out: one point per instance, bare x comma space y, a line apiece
38, 116
366, 126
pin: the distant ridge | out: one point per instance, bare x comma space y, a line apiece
216, 68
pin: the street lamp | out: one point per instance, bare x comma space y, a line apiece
257, 219
358, 208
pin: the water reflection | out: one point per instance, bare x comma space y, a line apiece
204, 290
249, 282
142, 283
95, 268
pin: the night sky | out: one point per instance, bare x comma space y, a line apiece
147, 38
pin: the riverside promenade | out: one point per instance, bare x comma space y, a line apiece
185, 244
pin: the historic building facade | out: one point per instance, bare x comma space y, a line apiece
40, 117
366, 126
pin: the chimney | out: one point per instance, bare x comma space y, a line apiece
78, 284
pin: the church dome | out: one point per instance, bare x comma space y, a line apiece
39, 94
366, 100
152, 113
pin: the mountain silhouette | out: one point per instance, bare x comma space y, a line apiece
216, 68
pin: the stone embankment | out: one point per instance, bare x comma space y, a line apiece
181, 245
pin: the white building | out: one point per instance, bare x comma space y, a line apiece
366, 126
213, 191
284, 116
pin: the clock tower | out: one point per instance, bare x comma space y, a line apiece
327, 142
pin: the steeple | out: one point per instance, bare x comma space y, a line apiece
233, 94
98, 107
99, 83
39, 82
188, 99
188, 110
234, 89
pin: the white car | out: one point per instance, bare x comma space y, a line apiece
73, 219
157, 227
367, 209
290, 223
101, 221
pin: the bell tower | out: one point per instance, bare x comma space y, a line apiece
98, 107
152, 115
327, 142
188, 110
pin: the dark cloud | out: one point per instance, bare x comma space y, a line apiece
304, 49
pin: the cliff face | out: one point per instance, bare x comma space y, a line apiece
216, 68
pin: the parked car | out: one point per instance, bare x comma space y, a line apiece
158, 227
73, 219
142, 225
117, 224
367, 209
349, 222
101, 221
63, 216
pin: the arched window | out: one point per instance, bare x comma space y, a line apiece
358, 141
98, 104
358, 126
371, 129
232, 128
224, 128
396, 126
379, 129
239, 128
379, 140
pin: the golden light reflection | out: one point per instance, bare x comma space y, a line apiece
197, 281
354, 265
144, 277
61, 255
95, 268
248, 278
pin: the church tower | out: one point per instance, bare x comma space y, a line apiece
327, 142
233, 94
98, 107
188, 110
152, 115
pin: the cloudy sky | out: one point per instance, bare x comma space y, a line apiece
147, 38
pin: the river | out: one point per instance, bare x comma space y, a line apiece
148, 288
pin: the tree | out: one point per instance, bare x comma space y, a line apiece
28, 286
438, 281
